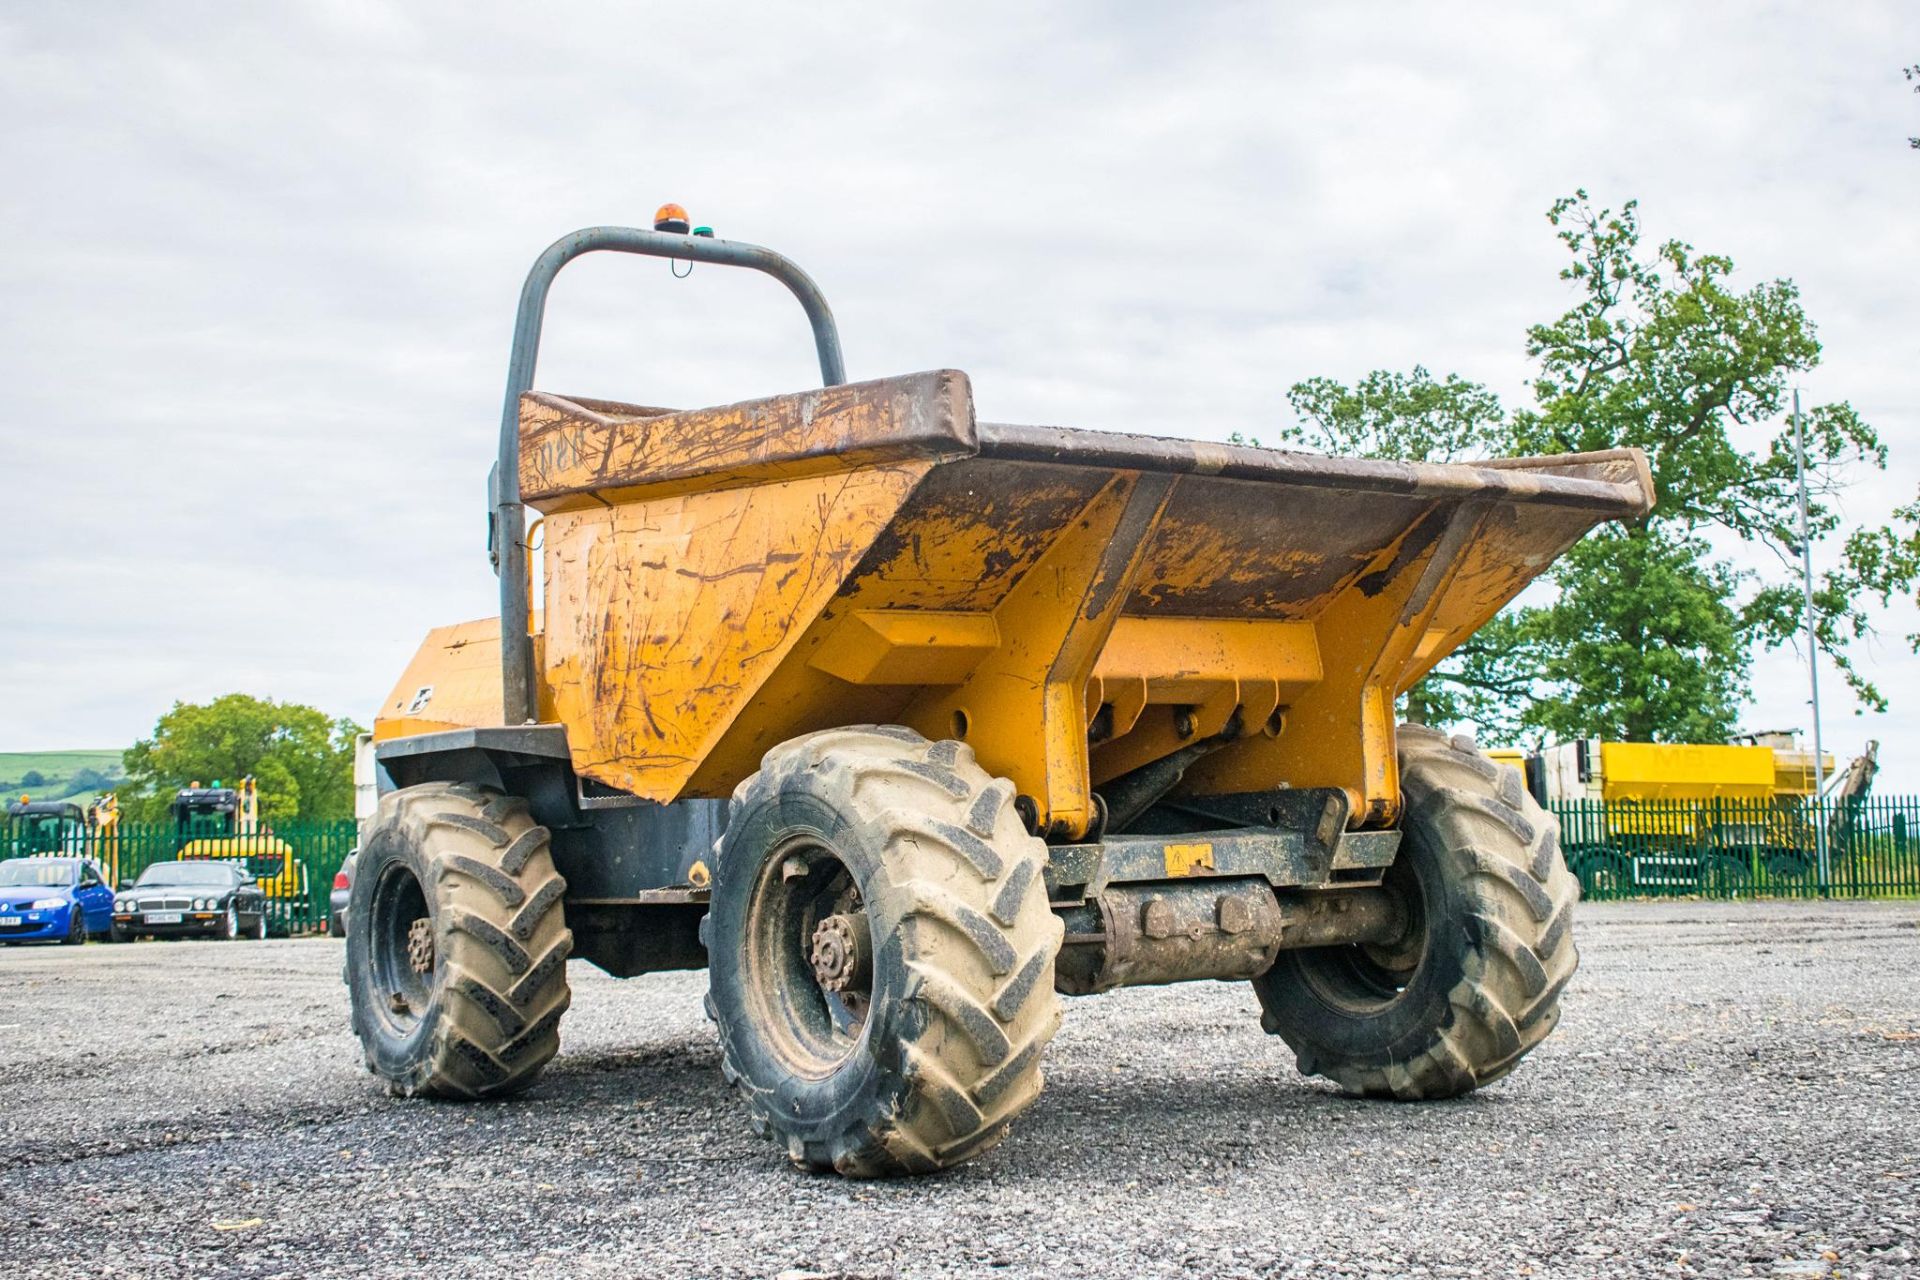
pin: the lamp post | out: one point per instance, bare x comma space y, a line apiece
1813, 640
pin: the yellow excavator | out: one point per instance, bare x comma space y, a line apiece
224, 822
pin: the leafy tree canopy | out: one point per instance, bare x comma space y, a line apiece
1651, 635
1913, 75
301, 758
1410, 417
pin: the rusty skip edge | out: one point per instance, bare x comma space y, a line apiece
1615, 482
573, 447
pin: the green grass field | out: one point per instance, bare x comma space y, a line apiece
57, 768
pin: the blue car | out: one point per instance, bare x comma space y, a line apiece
53, 900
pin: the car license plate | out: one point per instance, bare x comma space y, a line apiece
163, 917
7, 922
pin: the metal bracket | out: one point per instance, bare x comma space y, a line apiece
1283, 858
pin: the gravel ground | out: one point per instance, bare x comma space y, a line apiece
1731, 1092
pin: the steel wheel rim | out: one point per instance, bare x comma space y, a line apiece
1366, 977
404, 988
814, 1031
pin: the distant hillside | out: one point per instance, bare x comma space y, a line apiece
78, 775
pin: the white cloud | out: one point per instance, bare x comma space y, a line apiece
260, 263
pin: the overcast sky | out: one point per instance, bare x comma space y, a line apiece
260, 263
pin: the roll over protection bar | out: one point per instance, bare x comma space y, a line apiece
506, 541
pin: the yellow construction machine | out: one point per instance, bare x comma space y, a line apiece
224, 822
903, 723
44, 827
1661, 815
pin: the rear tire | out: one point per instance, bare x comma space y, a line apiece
457, 944
907, 855
1476, 982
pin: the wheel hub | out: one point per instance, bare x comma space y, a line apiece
420, 945
1401, 955
841, 953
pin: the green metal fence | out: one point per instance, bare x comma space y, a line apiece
1868, 848
295, 862
1863, 848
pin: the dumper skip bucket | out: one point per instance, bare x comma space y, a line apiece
1077, 606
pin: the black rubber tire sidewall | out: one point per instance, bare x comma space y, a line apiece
1498, 906
397, 1052
1404, 1027
868, 1082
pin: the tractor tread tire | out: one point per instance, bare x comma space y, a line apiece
1498, 852
500, 940
961, 909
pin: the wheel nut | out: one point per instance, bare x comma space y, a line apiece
841, 957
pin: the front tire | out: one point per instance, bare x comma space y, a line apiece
76, 928
1475, 982
881, 952
457, 944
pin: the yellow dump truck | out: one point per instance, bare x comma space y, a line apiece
903, 724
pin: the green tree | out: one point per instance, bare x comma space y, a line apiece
84, 782
1663, 351
1651, 634
1912, 74
33, 778
301, 758
1642, 644
1408, 416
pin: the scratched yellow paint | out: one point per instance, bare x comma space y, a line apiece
1024, 705
1340, 733
453, 682
718, 581
1156, 670
576, 454
665, 616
